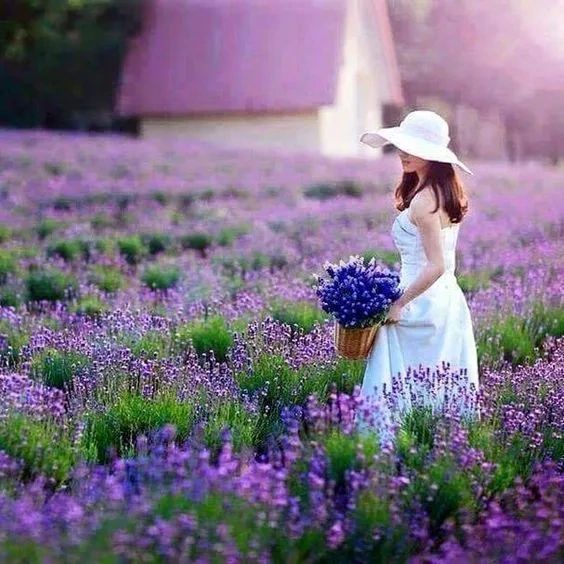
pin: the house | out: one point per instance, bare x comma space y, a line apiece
306, 75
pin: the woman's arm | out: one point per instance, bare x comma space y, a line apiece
429, 225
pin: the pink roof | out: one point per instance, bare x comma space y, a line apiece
395, 91
198, 56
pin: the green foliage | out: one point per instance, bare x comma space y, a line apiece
389, 258
56, 369
228, 234
505, 339
342, 452
278, 383
131, 416
10, 296
224, 509
421, 424
26, 251
350, 188
107, 278
373, 529
90, 306
240, 324
411, 451
61, 203
101, 221
69, 249
231, 414
326, 190
43, 446
5, 233
211, 334
342, 372
234, 284
301, 314
47, 49
16, 340
160, 196
198, 241
49, 284
46, 227
153, 344
161, 277
56, 168
8, 264
256, 260
275, 384
516, 339
544, 320
105, 245
131, 248
156, 242
473, 281
444, 490
511, 455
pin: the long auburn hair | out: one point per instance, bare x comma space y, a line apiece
446, 185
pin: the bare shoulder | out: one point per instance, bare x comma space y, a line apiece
425, 195
423, 204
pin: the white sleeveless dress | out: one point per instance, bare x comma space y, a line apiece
434, 335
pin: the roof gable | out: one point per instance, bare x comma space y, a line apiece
211, 56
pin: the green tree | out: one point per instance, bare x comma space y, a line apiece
60, 59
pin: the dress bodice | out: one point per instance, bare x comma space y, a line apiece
407, 239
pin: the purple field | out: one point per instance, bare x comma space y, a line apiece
169, 387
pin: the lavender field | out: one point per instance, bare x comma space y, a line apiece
169, 387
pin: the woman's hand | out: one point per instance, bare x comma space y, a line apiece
394, 313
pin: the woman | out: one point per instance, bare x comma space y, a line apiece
429, 329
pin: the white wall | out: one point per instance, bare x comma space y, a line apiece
333, 130
358, 103
298, 131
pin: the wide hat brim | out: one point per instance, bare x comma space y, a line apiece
412, 145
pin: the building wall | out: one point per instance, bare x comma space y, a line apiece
298, 131
333, 130
358, 106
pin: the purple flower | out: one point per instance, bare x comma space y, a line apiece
358, 294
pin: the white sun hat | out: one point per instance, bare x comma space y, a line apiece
422, 133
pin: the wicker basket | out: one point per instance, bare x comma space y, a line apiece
354, 342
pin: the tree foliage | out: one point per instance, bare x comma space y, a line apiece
494, 55
60, 59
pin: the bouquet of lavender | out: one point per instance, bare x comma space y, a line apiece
358, 295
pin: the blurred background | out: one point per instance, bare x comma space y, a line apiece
302, 74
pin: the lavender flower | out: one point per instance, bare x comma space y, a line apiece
358, 295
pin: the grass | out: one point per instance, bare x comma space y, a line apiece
156, 242
8, 265
69, 249
515, 339
198, 241
56, 369
472, 281
131, 416
160, 277
50, 284
244, 426
15, 340
89, 306
132, 248
211, 334
389, 258
298, 314
42, 446
107, 278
